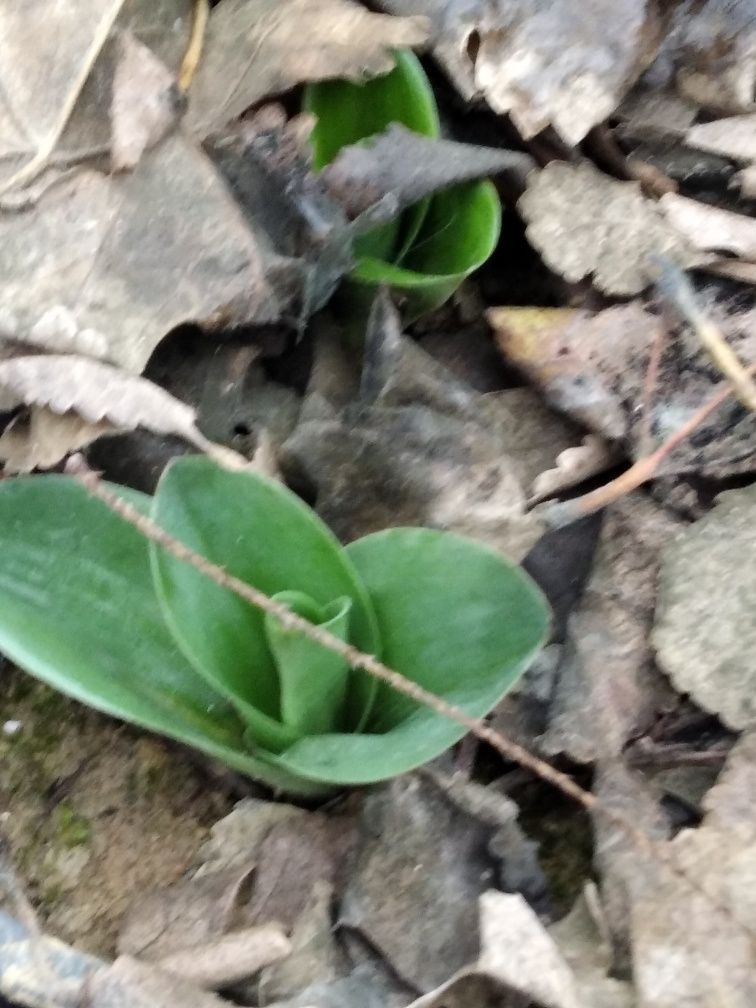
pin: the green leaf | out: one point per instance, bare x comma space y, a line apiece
348, 112
458, 234
313, 679
455, 617
263, 534
79, 612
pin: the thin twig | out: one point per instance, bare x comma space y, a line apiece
193, 53
565, 512
677, 289
357, 659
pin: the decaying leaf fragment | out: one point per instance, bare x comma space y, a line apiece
256, 48
129, 257
705, 634
409, 166
565, 63
593, 366
574, 465
586, 224
144, 103
104, 397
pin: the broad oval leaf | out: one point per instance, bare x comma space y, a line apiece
263, 534
455, 617
79, 613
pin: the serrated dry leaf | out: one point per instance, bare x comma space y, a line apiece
257, 48
564, 63
586, 224
711, 50
98, 392
408, 166
45, 438
144, 104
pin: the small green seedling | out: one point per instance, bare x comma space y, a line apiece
428, 251
95, 610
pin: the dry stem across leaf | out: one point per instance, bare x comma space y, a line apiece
510, 750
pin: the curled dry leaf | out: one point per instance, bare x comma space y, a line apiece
586, 224
574, 465
44, 438
519, 963
98, 392
709, 229
255, 48
565, 63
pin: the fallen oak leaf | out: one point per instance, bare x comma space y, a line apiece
99, 392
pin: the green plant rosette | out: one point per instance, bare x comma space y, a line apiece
426, 253
93, 609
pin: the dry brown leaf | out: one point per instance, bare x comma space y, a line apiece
256, 48
45, 438
694, 946
711, 49
564, 63
709, 229
584, 223
57, 63
519, 963
408, 166
734, 137
593, 366
747, 182
43, 72
144, 104
229, 959
705, 633
98, 392
127, 258
574, 465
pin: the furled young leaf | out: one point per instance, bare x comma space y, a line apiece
79, 612
455, 617
313, 680
458, 233
263, 534
426, 253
